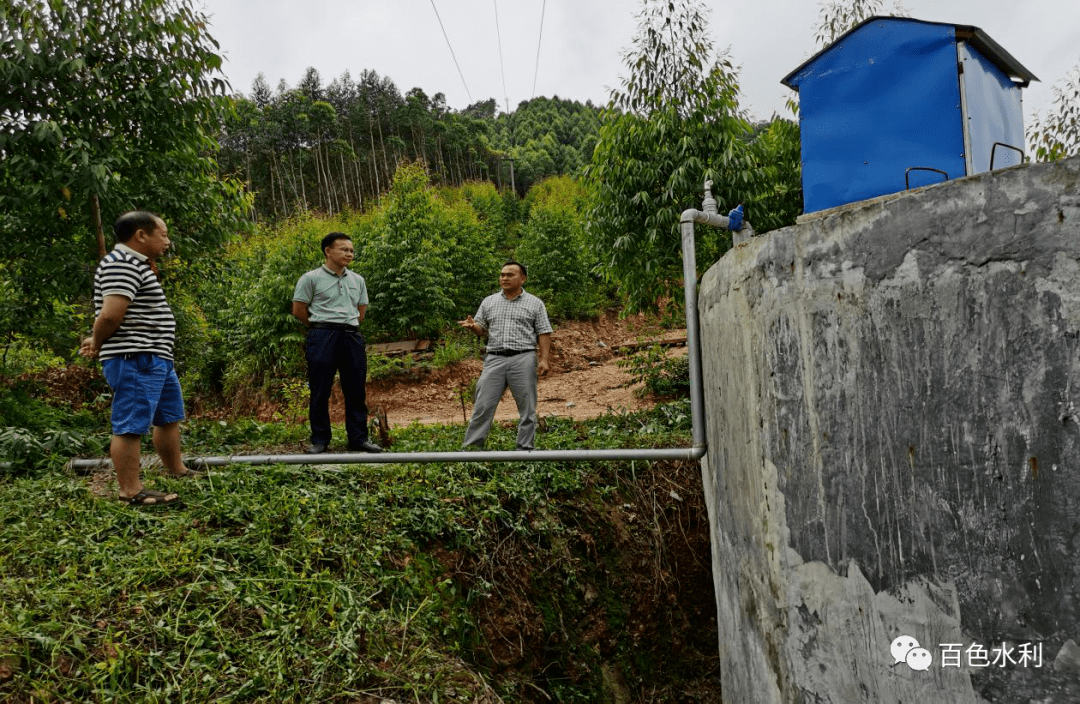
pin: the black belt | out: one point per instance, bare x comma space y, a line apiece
333, 326
509, 353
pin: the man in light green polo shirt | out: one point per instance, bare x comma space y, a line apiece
331, 301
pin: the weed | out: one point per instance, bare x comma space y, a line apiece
285, 583
456, 344
381, 366
296, 395
662, 376
23, 451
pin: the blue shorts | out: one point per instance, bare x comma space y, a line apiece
146, 391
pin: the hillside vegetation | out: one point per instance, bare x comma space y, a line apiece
522, 582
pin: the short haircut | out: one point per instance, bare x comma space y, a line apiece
333, 237
519, 265
132, 221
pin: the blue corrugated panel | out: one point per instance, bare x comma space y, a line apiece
882, 99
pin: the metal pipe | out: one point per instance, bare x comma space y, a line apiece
522, 456
697, 397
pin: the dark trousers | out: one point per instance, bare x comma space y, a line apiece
340, 351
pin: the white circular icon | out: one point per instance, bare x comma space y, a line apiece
919, 659
906, 649
902, 646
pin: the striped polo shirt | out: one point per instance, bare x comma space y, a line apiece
148, 325
513, 325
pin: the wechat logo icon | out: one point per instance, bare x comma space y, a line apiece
906, 649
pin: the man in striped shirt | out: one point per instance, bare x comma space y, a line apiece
134, 335
515, 323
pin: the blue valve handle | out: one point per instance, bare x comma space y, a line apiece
735, 219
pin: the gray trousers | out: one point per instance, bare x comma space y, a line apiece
517, 372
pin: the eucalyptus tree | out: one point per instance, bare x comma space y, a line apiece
105, 105
311, 85
674, 123
539, 135
838, 16
1056, 134
414, 119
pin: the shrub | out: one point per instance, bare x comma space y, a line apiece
662, 376
554, 248
22, 450
199, 353
249, 300
429, 259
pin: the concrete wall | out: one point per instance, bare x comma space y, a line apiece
892, 400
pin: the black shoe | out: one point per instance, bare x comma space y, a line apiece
366, 446
316, 448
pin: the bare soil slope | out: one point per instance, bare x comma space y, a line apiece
584, 382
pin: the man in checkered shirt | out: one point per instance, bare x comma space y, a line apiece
515, 323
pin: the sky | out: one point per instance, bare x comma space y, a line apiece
513, 50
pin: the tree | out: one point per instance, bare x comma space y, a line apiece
105, 105
1056, 134
675, 123
839, 16
556, 251
426, 262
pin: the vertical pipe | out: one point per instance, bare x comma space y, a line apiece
697, 395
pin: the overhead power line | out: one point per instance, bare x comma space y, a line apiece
502, 69
453, 56
536, 71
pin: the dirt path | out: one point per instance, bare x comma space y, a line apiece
584, 382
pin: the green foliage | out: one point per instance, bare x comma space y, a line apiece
661, 376
381, 366
545, 137
426, 256
336, 147
680, 127
198, 351
134, 128
1056, 135
285, 583
20, 408
499, 213
674, 124
429, 261
248, 300
456, 345
555, 250
20, 354
838, 16
776, 150
236, 435
23, 451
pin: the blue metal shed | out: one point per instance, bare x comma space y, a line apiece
897, 103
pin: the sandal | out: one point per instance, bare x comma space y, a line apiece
149, 497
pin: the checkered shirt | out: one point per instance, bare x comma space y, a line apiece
513, 324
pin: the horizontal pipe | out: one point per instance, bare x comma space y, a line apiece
671, 453
697, 404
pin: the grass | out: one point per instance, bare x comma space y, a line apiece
295, 583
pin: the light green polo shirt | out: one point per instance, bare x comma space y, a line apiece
331, 298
